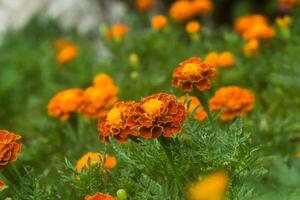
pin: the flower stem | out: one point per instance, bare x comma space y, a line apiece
204, 102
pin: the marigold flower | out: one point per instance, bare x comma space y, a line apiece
243, 23
67, 53
117, 31
115, 122
181, 10
159, 22
158, 115
61, 43
211, 187
192, 27
108, 162
98, 99
201, 7
2, 185
287, 4
232, 101
259, 31
66, 102
224, 59
212, 58
9, 147
283, 22
251, 48
100, 196
193, 72
200, 113
103, 80
144, 5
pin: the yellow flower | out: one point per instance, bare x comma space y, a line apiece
283, 22
158, 22
192, 27
211, 187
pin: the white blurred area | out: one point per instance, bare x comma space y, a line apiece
84, 15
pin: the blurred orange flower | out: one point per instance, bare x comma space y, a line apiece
159, 22
66, 102
243, 23
211, 187
224, 59
2, 185
61, 43
193, 72
259, 31
117, 31
200, 113
103, 80
201, 7
192, 27
67, 53
144, 5
100, 196
232, 101
115, 122
287, 4
251, 48
158, 115
108, 162
181, 10
9, 147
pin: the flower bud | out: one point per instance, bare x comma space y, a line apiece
121, 194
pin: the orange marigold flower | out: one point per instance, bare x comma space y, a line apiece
144, 5
159, 22
194, 103
212, 58
2, 185
158, 115
115, 122
201, 7
9, 147
117, 31
103, 80
224, 59
100, 196
181, 10
243, 23
108, 162
192, 27
67, 53
193, 72
232, 101
259, 31
283, 22
251, 48
98, 99
66, 102
211, 187
287, 4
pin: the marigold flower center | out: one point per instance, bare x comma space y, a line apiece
152, 106
114, 116
191, 69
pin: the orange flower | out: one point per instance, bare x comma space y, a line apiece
117, 31
158, 22
158, 115
194, 103
103, 80
100, 196
224, 59
181, 10
193, 72
115, 122
232, 101
259, 31
2, 185
192, 27
61, 43
9, 147
144, 5
64, 103
212, 58
287, 4
211, 187
67, 53
109, 162
201, 7
243, 23
251, 48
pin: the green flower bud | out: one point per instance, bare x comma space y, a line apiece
121, 194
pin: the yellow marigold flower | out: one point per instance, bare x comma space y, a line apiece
200, 113
201, 7
100, 196
159, 22
9, 147
192, 27
211, 187
67, 53
193, 72
103, 80
243, 23
232, 101
226, 59
107, 162
64, 103
283, 22
158, 115
144, 5
115, 122
251, 48
287, 4
259, 31
98, 99
181, 10
117, 31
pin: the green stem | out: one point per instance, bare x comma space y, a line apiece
203, 100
